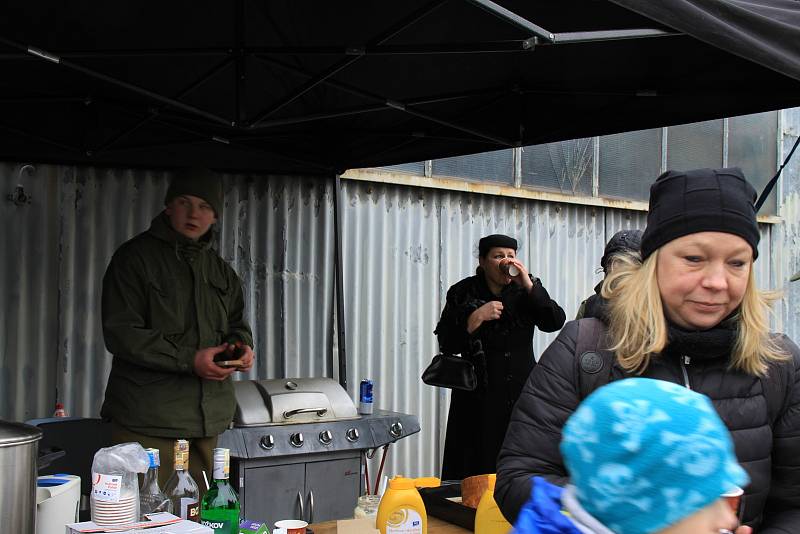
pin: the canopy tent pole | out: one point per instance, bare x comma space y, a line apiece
610, 35
514, 19
43, 54
768, 188
353, 56
545, 37
153, 113
339, 284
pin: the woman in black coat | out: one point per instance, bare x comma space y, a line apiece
689, 312
490, 318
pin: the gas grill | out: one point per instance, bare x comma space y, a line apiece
296, 447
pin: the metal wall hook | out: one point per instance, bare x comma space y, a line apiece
19, 197
27, 167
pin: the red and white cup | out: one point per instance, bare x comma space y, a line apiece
291, 526
734, 499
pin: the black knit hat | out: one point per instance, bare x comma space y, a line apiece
198, 182
622, 241
495, 240
701, 200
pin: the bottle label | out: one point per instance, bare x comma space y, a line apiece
106, 488
219, 525
181, 455
404, 521
221, 472
190, 509
221, 464
155, 459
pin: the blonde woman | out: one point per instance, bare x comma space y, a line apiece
687, 311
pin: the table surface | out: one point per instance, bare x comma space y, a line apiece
435, 526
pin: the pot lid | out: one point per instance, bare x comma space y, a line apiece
12, 434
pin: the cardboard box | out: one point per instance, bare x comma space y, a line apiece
162, 523
365, 525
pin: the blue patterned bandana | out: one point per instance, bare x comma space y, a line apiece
644, 454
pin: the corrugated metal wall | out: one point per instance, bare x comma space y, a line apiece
276, 232
787, 238
402, 248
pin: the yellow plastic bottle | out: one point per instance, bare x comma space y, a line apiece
401, 510
488, 518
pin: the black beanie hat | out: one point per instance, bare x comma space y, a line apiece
701, 200
201, 183
495, 240
622, 241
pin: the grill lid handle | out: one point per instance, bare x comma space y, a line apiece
291, 413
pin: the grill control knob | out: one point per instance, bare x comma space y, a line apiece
267, 442
396, 429
296, 439
325, 437
352, 435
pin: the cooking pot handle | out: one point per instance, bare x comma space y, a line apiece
44, 461
291, 413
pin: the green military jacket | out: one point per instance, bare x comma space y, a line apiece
165, 297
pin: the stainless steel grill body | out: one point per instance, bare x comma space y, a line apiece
296, 448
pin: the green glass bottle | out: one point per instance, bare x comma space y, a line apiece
220, 507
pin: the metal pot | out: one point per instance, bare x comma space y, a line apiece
18, 456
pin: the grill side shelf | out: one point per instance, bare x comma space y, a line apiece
388, 427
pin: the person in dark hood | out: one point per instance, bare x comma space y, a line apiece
623, 242
493, 313
170, 306
690, 312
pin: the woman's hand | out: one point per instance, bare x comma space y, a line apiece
522, 279
490, 311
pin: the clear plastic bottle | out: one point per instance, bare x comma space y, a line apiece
181, 489
151, 498
220, 507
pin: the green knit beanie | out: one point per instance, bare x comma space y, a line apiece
198, 182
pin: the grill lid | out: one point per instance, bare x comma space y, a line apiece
291, 400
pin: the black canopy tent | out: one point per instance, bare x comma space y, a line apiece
315, 88
319, 87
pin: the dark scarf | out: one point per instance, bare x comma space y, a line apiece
708, 344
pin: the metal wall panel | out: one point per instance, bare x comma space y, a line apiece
786, 238
276, 232
390, 242
28, 292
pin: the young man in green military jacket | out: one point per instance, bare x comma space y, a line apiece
170, 305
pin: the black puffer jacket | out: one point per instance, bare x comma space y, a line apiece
765, 427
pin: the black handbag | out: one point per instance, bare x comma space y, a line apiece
450, 371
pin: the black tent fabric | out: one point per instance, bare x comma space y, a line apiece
764, 31
318, 87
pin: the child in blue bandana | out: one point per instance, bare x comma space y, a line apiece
644, 456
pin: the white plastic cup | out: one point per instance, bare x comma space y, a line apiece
509, 269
